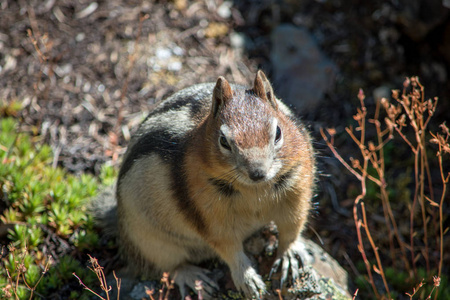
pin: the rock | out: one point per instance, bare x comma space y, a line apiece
237, 40
381, 92
167, 56
332, 278
224, 10
321, 277
130, 288
140, 290
302, 73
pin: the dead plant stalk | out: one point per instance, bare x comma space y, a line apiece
442, 141
411, 106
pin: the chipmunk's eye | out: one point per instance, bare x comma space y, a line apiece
278, 135
224, 143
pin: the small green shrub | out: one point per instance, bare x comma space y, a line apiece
42, 204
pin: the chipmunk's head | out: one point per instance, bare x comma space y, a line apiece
249, 130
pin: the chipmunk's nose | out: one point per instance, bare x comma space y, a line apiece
257, 164
257, 174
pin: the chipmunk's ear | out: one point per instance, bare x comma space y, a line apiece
263, 89
222, 93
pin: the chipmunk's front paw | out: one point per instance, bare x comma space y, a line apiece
289, 260
250, 283
197, 280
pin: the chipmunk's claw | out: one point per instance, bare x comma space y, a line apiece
197, 280
251, 284
289, 261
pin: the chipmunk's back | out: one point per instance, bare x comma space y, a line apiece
164, 130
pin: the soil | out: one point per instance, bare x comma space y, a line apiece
87, 72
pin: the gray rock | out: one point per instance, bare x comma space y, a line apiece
302, 73
321, 277
140, 290
381, 92
446, 3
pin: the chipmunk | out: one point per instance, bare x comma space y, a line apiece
207, 168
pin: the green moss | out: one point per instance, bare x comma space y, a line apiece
10, 108
44, 204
